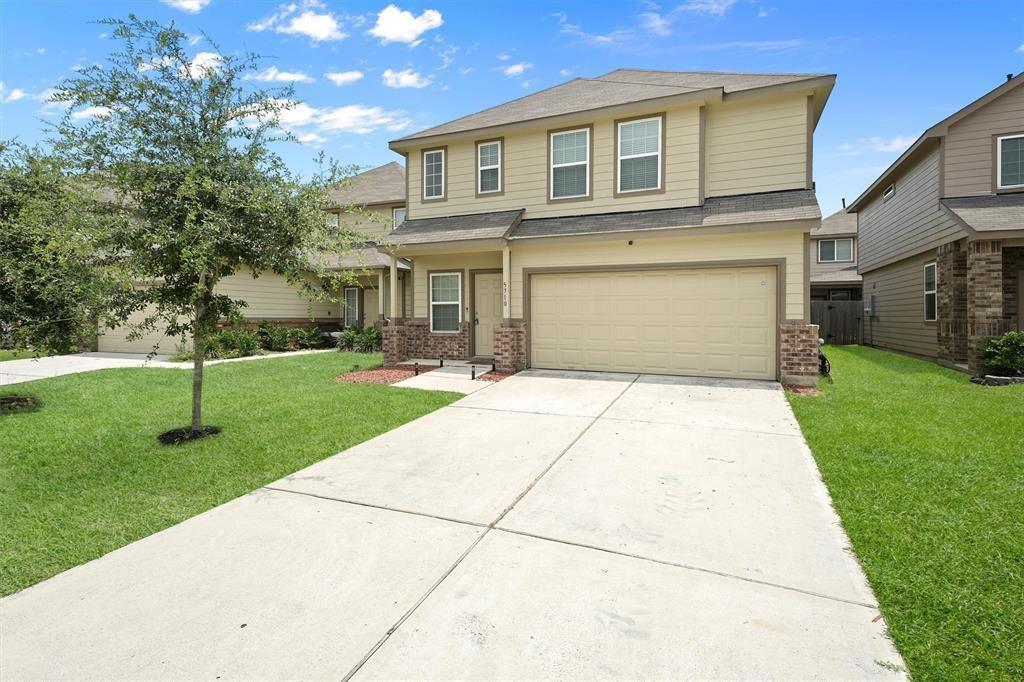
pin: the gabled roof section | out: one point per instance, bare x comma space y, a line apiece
381, 185
496, 225
369, 257
987, 213
623, 86
839, 223
936, 131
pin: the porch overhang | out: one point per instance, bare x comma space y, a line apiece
990, 216
464, 232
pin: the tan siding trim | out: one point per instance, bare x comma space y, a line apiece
702, 166
810, 143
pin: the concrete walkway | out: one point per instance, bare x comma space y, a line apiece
552, 525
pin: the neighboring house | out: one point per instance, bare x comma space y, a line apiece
641, 221
942, 235
380, 193
834, 259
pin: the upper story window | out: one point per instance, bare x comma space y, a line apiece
397, 217
1010, 162
930, 281
433, 174
639, 155
488, 167
570, 164
835, 250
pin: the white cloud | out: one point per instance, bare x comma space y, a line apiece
92, 112
599, 39
302, 19
880, 145
656, 23
194, 39
466, 70
1021, 48
340, 78
762, 11
205, 63
756, 45
406, 78
13, 96
564, 72
311, 139
40, 50
503, 56
359, 119
396, 25
274, 75
517, 69
191, 6
715, 7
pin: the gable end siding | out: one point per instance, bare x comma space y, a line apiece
969, 162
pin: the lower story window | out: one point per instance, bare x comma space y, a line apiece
351, 306
445, 301
930, 305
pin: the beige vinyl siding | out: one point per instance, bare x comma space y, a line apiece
375, 223
525, 184
969, 162
898, 319
911, 221
820, 269
155, 341
756, 145
456, 262
788, 245
270, 296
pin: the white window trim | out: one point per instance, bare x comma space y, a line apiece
934, 292
999, 161
430, 297
444, 162
497, 166
359, 316
394, 220
551, 170
621, 157
834, 250
889, 193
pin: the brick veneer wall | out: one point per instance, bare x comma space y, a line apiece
798, 353
412, 338
510, 346
1013, 263
984, 297
951, 267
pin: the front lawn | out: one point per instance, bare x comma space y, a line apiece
85, 474
927, 473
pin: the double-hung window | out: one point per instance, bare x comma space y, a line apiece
433, 174
1010, 162
930, 281
445, 301
570, 164
488, 167
397, 217
351, 306
835, 250
639, 155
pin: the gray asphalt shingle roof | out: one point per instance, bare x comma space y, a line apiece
848, 274
369, 257
989, 213
457, 228
381, 185
839, 223
622, 86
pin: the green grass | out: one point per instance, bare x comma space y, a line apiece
927, 473
85, 474
14, 354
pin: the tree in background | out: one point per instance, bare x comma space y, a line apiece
182, 151
52, 283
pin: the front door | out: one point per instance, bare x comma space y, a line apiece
487, 310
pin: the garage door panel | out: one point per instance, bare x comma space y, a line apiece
714, 322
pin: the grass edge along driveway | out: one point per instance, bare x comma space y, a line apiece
85, 474
926, 471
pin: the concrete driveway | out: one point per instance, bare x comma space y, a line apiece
29, 369
555, 524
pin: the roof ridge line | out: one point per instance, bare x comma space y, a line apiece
730, 73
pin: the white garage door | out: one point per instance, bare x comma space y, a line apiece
699, 322
116, 340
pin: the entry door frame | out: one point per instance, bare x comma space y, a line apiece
780, 288
472, 302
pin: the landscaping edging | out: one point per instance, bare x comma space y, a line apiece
993, 380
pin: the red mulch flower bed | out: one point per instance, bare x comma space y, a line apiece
389, 374
494, 376
804, 390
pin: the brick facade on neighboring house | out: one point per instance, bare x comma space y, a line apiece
411, 338
798, 353
984, 297
510, 347
951, 301
1013, 265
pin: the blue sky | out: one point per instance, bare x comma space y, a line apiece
369, 72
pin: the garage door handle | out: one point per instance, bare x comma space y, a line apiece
476, 320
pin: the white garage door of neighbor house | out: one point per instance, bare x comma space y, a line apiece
116, 340
716, 322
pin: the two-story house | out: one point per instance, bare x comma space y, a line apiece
942, 235
640, 221
834, 275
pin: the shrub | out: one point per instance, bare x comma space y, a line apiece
232, 343
311, 338
368, 340
274, 336
348, 338
1005, 354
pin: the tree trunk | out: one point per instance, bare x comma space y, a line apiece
198, 356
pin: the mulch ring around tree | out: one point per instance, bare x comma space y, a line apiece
9, 404
177, 436
389, 374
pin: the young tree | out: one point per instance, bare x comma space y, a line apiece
52, 283
183, 150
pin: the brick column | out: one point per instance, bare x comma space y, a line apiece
951, 267
984, 297
393, 341
798, 353
510, 346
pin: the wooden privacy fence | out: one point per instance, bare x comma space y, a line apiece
838, 321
